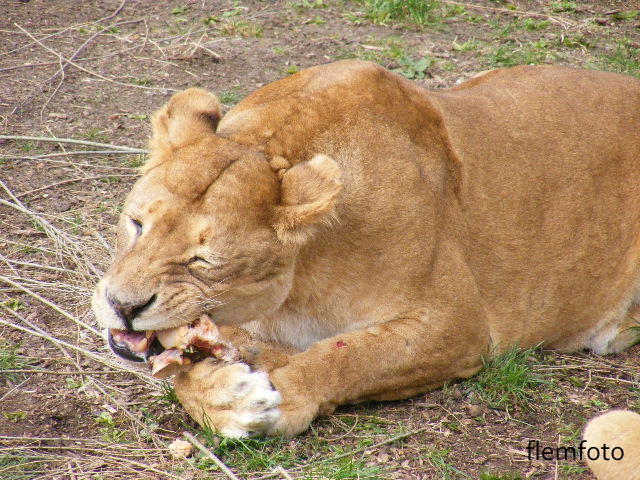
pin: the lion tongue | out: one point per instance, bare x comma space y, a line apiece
135, 341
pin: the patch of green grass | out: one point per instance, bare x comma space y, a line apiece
448, 66
564, 6
630, 15
231, 96
37, 225
236, 11
94, 135
13, 304
15, 466
356, 18
389, 51
624, 59
142, 82
534, 25
291, 69
76, 220
109, 179
467, 46
499, 476
320, 458
17, 416
345, 469
210, 20
574, 42
440, 462
413, 69
10, 359
531, 53
109, 428
317, 20
137, 116
569, 434
572, 469
135, 162
508, 379
417, 12
168, 395
304, 4
179, 10
241, 28
26, 146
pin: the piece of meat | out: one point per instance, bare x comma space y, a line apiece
202, 335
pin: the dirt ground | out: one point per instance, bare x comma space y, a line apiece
93, 71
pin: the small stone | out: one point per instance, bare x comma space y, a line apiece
180, 449
383, 457
475, 410
601, 21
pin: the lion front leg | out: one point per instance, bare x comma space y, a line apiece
389, 361
393, 360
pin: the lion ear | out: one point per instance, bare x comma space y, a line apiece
187, 116
309, 191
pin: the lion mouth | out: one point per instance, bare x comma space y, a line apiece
170, 351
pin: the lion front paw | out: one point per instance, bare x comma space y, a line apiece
232, 399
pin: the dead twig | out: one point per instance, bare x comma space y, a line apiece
74, 56
49, 304
91, 72
55, 372
81, 350
71, 180
74, 141
211, 455
283, 473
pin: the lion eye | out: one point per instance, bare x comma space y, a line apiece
137, 225
199, 261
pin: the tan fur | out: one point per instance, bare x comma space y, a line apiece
618, 428
391, 235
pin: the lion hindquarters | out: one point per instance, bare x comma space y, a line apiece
616, 429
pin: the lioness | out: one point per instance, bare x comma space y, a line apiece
382, 238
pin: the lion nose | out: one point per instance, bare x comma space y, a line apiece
128, 311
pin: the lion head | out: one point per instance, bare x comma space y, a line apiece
210, 228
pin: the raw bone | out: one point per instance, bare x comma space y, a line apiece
203, 335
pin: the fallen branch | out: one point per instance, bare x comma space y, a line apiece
74, 141
211, 455
55, 372
48, 64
